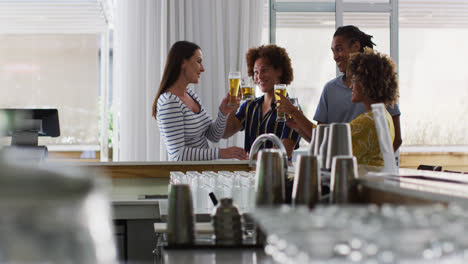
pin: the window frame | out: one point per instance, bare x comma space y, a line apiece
339, 7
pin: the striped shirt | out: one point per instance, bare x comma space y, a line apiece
250, 116
187, 133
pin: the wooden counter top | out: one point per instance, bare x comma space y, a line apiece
162, 169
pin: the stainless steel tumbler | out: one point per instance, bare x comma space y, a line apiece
321, 143
307, 188
180, 219
270, 178
339, 142
344, 172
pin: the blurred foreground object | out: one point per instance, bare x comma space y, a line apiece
53, 215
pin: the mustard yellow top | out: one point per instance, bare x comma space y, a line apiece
365, 140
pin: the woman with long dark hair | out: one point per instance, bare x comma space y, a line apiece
184, 124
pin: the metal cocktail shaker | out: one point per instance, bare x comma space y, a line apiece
339, 142
321, 143
307, 187
180, 220
343, 179
270, 177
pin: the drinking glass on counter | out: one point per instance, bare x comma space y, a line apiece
280, 89
248, 88
234, 82
237, 185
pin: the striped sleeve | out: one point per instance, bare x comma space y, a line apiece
171, 126
216, 129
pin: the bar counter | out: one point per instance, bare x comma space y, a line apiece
132, 180
412, 187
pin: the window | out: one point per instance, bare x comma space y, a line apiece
307, 37
429, 52
433, 73
50, 57
56, 71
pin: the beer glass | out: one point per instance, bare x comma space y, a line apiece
247, 88
234, 82
295, 102
280, 89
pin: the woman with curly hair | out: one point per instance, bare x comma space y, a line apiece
373, 80
335, 104
269, 65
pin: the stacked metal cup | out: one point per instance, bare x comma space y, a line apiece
307, 187
270, 178
269, 182
344, 172
339, 142
180, 219
321, 143
312, 142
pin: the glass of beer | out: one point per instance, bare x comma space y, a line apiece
248, 88
280, 89
234, 82
295, 102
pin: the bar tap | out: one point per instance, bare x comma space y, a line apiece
262, 139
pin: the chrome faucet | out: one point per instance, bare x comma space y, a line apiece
260, 140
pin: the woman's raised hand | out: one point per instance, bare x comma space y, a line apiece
225, 108
233, 153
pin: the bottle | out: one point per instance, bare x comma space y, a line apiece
227, 223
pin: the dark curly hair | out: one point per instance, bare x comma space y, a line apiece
276, 56
377, 74
353, 34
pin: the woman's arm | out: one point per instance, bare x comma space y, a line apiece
216, 129
233, 125
171, 125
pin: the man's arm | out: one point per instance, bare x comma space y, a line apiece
289, 144
299, 129
233, 125
397, 141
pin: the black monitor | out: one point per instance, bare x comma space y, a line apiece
26, 125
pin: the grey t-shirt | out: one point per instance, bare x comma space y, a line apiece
335, 104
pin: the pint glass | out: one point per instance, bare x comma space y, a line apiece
280, 89
234, 82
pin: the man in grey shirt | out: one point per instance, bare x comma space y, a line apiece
335, 104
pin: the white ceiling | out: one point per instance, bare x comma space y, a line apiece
412, 14
55, 16
94, 16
